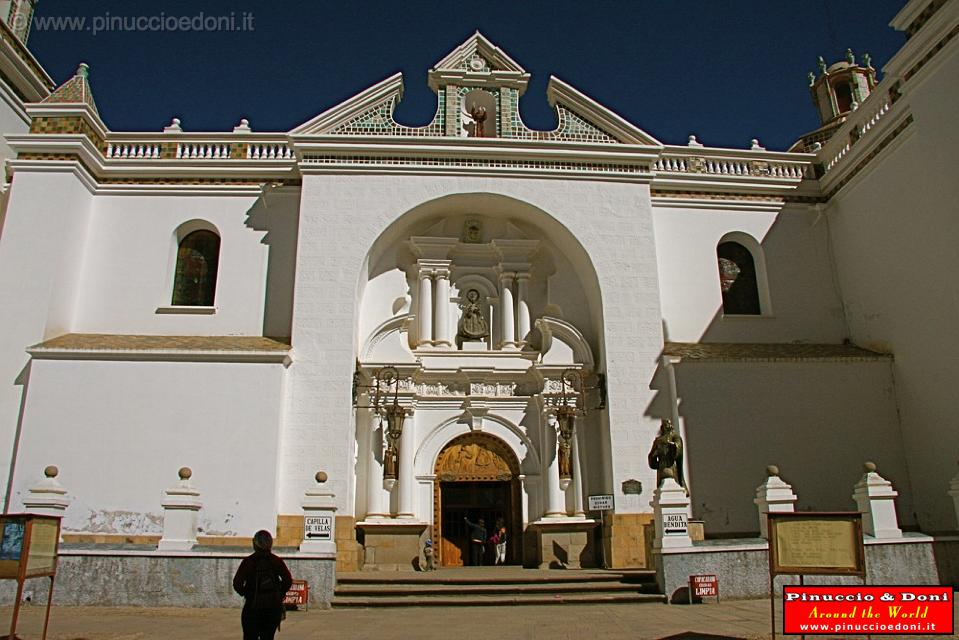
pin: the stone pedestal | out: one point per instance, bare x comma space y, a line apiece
773, 496
319, 519
670, 508
48, 497
876, 499
391, 545
180, 507
565, 543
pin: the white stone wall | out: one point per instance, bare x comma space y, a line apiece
13, 119
41, 257
804, 305
818, 422
119, 431
342, 216
894, 235
131, 253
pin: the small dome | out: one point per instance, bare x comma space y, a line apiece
838, 66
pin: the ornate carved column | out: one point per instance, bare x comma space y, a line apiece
555, 497
507, 326
404, 507
441, 322
374, 471
522, 307
424, 309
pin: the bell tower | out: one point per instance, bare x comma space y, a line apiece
837, 91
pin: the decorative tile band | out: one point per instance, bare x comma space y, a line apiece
475, 163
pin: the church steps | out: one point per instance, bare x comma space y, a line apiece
489, 587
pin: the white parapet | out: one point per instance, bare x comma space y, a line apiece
670, 508
876, 499
773, 496
181, 504
954, 492
319, 519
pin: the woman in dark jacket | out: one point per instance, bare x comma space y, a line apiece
263, 580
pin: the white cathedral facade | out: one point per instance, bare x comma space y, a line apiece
476, 319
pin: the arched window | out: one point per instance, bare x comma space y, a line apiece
737, 279
194, 281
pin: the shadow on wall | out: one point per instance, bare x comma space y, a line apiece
817, 418
277, 212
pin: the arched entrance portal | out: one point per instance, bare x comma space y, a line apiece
477, 476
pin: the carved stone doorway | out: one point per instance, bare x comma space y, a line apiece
477, 476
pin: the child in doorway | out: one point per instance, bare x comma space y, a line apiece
428, 554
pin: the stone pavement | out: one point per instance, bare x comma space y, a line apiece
747, 619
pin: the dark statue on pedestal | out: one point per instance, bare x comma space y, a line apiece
472, 324
666, 454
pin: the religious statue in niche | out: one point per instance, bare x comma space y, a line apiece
472, 324
478, 114
667, 454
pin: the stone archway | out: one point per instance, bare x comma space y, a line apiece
477, 475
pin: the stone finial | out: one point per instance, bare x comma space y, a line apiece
775, 495
185, 473
867, 60
817, 146
821, 63
173, 127
755, 146
51, 471
850, 58
812, 78
181, 503
243, 127
321, 477
83, 70
693, 142
870, 467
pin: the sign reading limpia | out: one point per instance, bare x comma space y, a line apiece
868, 610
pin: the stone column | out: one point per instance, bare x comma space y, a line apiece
522, 307
773, 496
578, 476
555, 498
441, 323
374, 471
48, 497
507, 326
424, 309
406, 480
670, 506
319, 519
181, 505
876, 499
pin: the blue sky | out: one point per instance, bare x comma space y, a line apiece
725, 71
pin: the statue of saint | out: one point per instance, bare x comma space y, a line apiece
667, 453
478, 113
472, 324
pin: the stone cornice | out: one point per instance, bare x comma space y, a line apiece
19, 65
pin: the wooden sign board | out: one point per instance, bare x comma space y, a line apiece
816, 543
28, 546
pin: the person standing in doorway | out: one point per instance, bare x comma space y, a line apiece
499, 538
262, 579
477, 537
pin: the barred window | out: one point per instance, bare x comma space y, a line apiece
194, 282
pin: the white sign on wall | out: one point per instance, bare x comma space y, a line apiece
601, 503
318, 528
675, 524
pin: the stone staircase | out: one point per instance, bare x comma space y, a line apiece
493, 586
